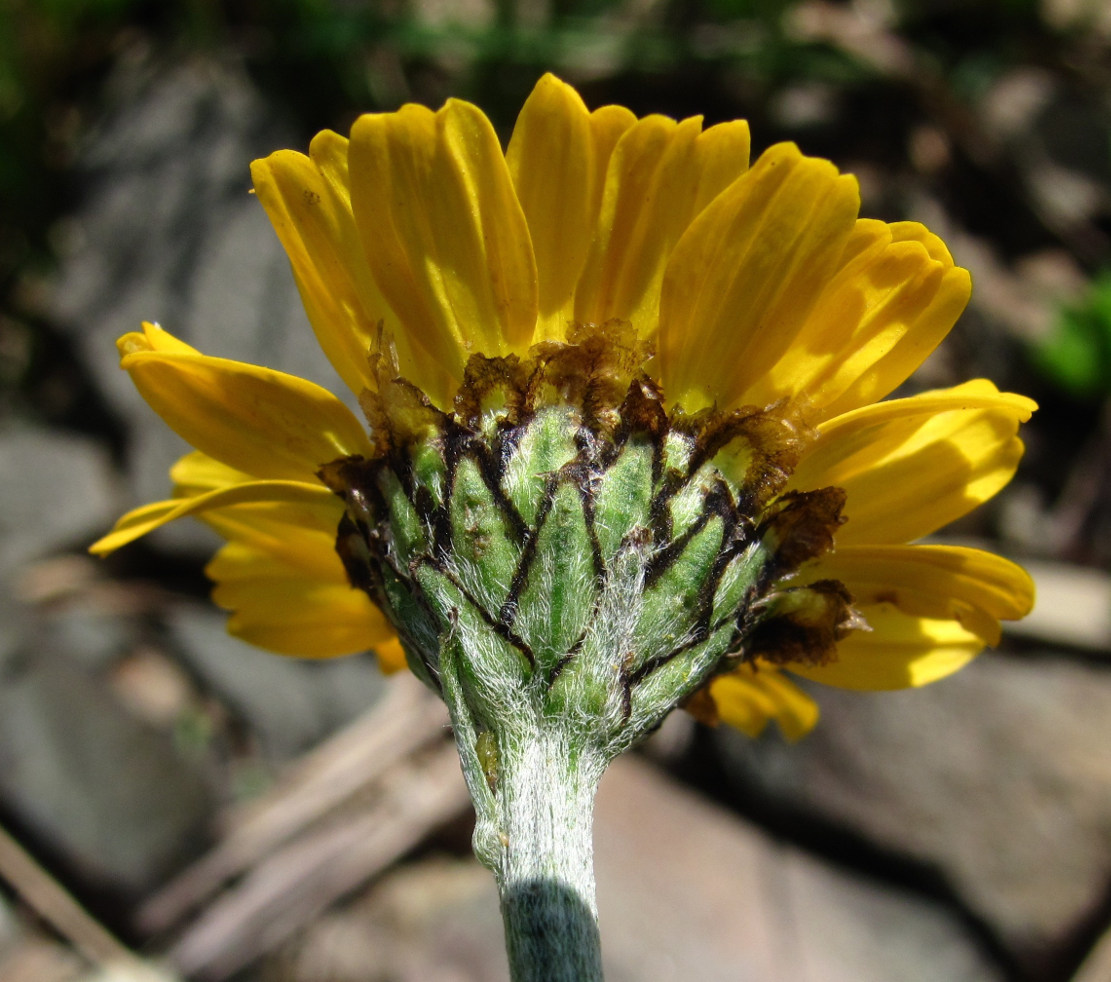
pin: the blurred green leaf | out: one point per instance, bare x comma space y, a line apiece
1077, 355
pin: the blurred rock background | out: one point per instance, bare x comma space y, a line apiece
176, 805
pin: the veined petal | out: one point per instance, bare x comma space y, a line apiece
749, 697
263, 422
508, 261
895, 296
297, 533
551, 163
140, 521
607, 125
899, 652
301, 532
196, 472
287, 609
297, 539
975, 588
309, 204
747, 273
897, 353
617, 265
443, 232
910, 466
562, 238
660, 175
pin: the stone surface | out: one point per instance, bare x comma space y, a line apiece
1097, 966
433, 921
88, 633
290, 703
15, 623
1074, 607
109, 793
56, 489
168, 231
999, 778
686, 890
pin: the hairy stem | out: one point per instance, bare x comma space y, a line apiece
545, 870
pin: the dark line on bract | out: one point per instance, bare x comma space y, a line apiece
508, 612
566, 660
490, 471
659, 511
501, 630
583, 475
663, 559
438, 521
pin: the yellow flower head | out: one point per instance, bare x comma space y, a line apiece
641, 275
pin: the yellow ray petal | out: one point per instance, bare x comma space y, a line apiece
616, 267
900, 354
607, 125
973, 587
910, 466
443, 231
721, 156
196, 472
263, 422
280, 607
900, 651
551, 163
153, 338
749, 697
310, 210
391, 656
508, 261
302, 534
146, 519
660, 175
308, 201
747, 273
895, 296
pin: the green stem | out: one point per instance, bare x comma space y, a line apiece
532, 778
545, 870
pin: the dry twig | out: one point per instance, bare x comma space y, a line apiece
57, 907
345, 812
